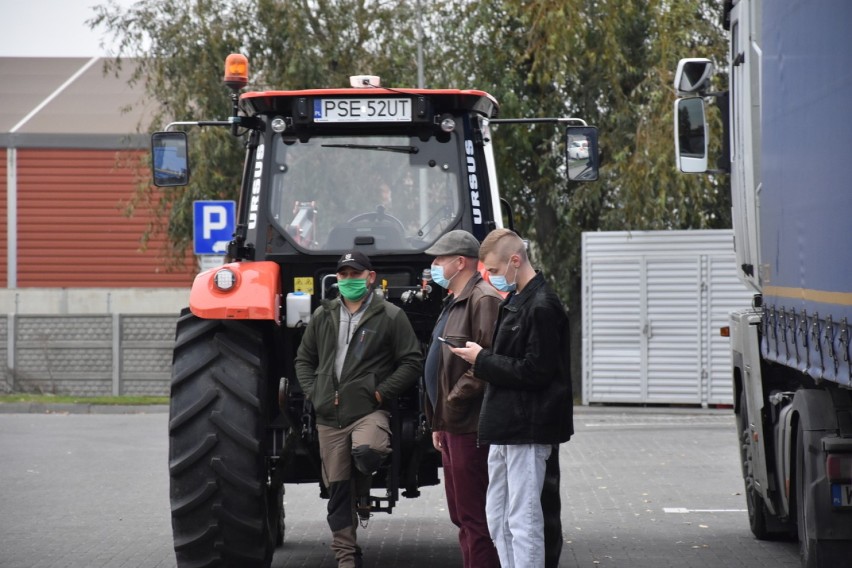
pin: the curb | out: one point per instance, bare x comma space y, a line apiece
79, 408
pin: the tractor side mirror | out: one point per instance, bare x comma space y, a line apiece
581, 153
169, 159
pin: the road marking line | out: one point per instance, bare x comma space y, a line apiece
653, 424
683, 511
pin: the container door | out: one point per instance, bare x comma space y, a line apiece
673, 370
612, 321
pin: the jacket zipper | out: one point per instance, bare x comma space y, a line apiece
361, 322
336, 401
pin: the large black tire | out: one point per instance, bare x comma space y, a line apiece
223, 512
807, 543
757, 512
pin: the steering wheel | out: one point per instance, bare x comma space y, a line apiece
379, 216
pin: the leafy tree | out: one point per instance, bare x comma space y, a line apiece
178, 48
610, 62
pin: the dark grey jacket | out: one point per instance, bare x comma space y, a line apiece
528, 399
384, 355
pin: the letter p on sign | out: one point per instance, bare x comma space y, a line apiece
215, 218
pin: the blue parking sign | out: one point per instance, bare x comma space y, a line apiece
213, 224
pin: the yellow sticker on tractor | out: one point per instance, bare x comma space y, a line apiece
305, 285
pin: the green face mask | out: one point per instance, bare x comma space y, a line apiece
353, 289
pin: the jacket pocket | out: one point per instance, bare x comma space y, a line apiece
357, 397
363, 339
458, 411
322, 397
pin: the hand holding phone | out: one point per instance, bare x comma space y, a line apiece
451, 342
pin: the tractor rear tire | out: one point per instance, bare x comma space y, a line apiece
224, 513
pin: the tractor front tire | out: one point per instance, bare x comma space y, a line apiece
223, 511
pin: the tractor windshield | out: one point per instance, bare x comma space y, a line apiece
397, 193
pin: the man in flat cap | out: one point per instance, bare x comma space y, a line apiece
455, 395
358, 352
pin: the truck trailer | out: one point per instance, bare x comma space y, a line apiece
786, 151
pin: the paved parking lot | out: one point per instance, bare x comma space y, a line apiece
641, 488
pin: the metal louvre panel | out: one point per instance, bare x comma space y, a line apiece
674, 346
614, 344
653, 304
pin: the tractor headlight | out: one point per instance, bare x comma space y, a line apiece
448, 124
278, 124
225, 279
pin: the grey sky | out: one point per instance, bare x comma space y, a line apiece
50, 28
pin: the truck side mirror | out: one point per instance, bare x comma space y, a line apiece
169, 159
581, 153
690, 132
692, 76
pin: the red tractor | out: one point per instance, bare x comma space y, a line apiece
385, 171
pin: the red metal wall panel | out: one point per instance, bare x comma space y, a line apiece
4, 194
72, 230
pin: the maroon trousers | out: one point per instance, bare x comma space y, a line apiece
466, 481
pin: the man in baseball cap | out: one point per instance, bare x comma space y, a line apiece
352, 345
354, 259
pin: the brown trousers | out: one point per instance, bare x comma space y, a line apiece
336, 445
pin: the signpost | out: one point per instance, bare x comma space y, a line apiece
213, 224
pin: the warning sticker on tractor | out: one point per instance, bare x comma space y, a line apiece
305, 285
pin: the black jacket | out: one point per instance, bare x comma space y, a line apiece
528, 399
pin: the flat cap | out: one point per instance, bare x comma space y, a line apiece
455, 242
356, 259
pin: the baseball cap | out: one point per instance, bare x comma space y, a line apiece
455, 242
355, 259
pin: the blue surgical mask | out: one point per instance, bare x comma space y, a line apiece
439, 278
499, 280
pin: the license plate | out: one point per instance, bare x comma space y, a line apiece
362, 110
841, 495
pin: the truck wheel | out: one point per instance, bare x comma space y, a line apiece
814, 553
806, 543
809, 547
223, 512
754, 502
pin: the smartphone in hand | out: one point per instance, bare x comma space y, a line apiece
451, 342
